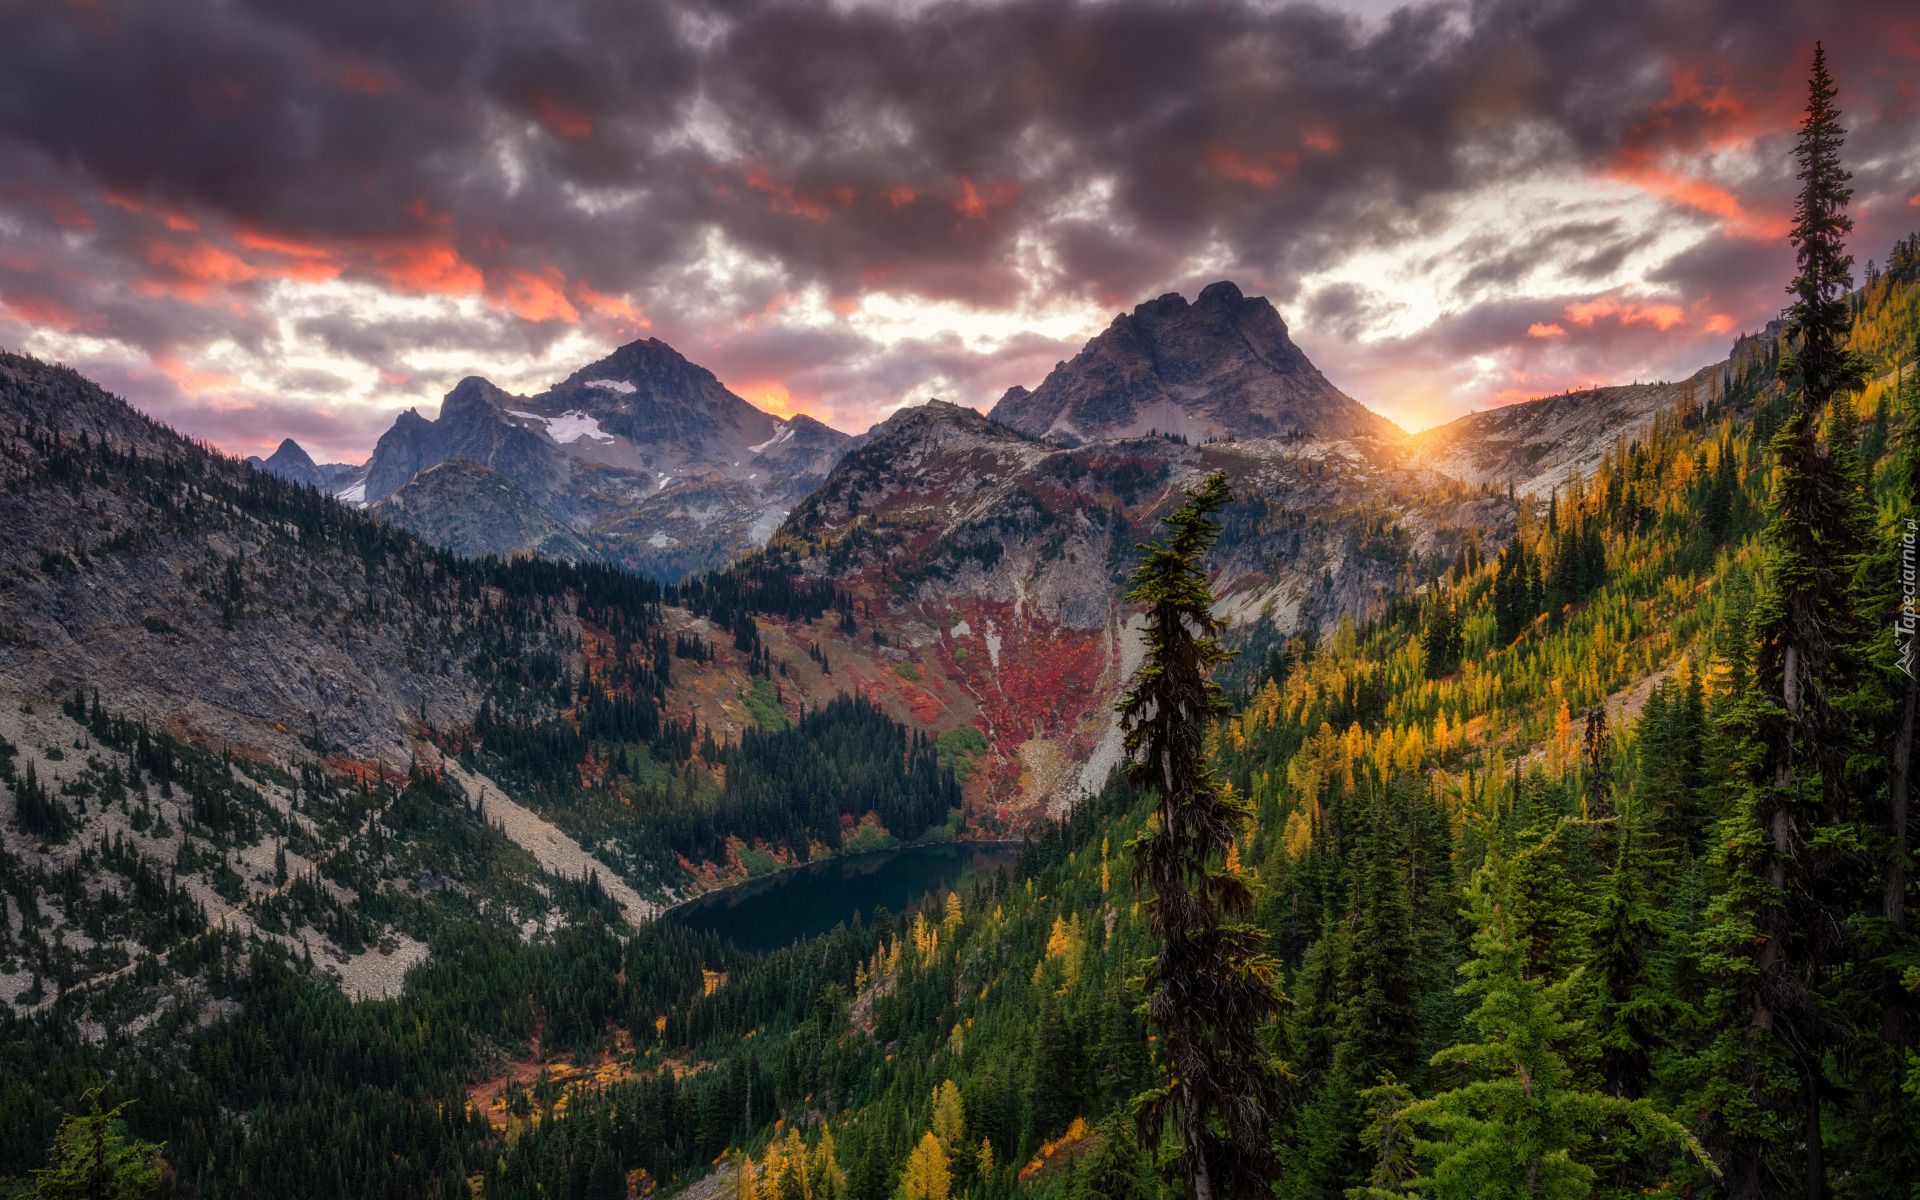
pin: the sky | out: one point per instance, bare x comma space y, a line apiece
260, 219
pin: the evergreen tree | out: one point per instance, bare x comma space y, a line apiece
1781, 922
1631, 1013
92, 1159
1884, 1002
1375, 1028
1117, 1170
1051, 1091
1381, 980
1524, 1127
1212, 987
607, 1181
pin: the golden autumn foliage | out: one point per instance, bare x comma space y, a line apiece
927, 1175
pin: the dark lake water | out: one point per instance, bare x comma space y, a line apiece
778, 910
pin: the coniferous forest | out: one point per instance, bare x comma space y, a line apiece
1582, 870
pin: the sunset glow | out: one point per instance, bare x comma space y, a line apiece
322, 231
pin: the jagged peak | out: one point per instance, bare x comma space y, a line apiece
1220, 366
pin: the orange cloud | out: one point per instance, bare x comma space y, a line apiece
1537, 330
1719, 323
193, 382
174, 219
307, 262
604, 305
539, 297
1697, 115
1661, 316
36, 310
1703, 196
787, 200
191, 271
1321, 140
427, 267
1230, 165
768, 397
974, 207
970, 204
559, 118
1727, 118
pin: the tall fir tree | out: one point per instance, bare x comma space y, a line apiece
1785, 856
1213, 987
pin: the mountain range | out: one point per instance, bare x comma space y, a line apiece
990, 553
645, 460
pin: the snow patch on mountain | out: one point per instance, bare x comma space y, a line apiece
569, 426
781, 432
612, 385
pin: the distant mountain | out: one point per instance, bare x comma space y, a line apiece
291, 463
473, 425
1536, 444
642, 459
1221, 367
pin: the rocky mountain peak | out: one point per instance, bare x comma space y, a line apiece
475, 423
293, 464
1222, 366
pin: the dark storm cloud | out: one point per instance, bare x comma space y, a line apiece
554, 157
1592, 249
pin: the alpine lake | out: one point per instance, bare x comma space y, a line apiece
777, 910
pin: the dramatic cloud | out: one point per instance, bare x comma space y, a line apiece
258, 219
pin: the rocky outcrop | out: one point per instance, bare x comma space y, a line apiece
1221, 367
161, 588
473, 425
477, 511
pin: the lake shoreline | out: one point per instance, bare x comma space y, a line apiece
831, 858
808, 900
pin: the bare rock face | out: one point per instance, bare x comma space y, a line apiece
473, 425
477, 511
1535, 445
1221, 367
156, 583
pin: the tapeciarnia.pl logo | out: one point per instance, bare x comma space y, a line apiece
1904, 629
